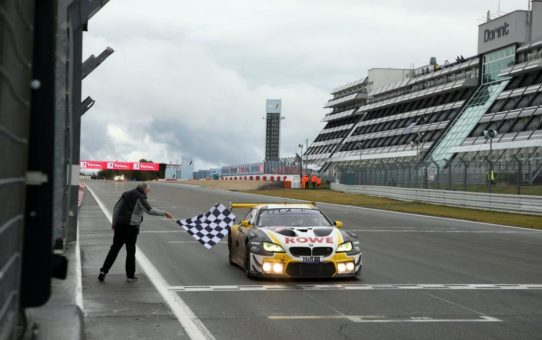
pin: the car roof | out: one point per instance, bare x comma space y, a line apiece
261, 205
290, 206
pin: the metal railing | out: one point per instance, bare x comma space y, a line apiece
513, 173
526, 204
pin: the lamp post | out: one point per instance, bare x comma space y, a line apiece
300, 161
415, 144
307, 149
358, 147
490, 134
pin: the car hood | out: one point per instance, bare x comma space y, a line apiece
304, 236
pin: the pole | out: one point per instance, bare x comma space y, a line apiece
465, 175
307, 148
490, 165
301, 162
518, 188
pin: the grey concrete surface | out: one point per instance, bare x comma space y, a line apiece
115, 308
398, 249
60, 318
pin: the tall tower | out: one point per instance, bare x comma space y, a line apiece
272, 129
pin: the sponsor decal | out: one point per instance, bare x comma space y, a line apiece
109, 165
312, 259
91, 165
302, 240
501, 31
148, 166
284, 211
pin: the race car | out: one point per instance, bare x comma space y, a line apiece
292, 241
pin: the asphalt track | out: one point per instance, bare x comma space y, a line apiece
423, 277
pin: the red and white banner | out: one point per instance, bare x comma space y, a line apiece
109, 165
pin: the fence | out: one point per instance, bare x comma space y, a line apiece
511, 174
526, 204
284, 166
16, 33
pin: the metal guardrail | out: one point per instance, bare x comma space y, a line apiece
525, 204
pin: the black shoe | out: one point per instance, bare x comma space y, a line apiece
131, 279
101, 277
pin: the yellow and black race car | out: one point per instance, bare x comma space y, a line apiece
292, 241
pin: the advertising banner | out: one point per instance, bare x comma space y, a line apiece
114, 165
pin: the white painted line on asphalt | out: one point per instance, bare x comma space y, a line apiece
193, 326
78, 273
195, 242
401, 213
435, 217
393, 230
350, 287
380, 319
179, 185
159, 231
455, 304
306, 317
437, 231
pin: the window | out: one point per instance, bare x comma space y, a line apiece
496, 61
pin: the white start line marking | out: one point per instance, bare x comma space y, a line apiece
383, 319
350, 287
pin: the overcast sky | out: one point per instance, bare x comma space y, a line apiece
188, 79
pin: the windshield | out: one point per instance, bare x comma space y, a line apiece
292, 217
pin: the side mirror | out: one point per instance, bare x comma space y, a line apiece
246, 224
338, 224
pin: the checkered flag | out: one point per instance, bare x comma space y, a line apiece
211, 227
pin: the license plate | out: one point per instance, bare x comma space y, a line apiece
311, 259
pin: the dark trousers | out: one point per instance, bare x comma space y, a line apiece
124, 234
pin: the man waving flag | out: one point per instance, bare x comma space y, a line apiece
209, 228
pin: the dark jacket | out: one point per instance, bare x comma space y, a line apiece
130, 207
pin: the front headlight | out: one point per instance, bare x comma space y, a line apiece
346, 246
271, 247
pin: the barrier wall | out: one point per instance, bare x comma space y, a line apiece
16, 37
525, 204
263, 177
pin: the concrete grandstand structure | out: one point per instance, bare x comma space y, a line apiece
418, 127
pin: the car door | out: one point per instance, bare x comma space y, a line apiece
239, 241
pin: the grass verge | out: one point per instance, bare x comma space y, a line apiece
330, 196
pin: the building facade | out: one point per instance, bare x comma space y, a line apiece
425, 126
183, 171
272, 129
283, 166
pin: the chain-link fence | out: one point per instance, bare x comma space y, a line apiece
509, 172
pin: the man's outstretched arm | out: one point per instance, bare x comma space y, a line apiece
153, 211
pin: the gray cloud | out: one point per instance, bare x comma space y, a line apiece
189, 80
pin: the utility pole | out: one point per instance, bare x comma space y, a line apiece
490, 134
307, 149
300, 161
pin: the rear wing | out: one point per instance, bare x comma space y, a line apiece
254, 205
